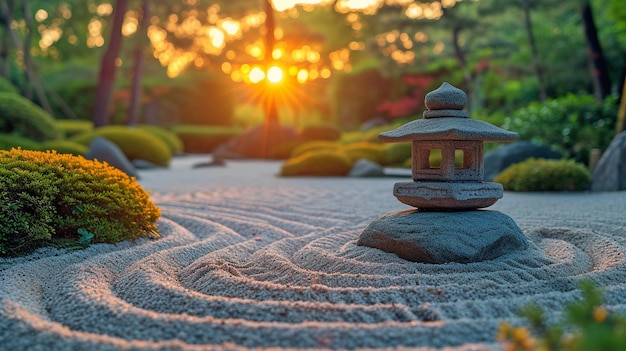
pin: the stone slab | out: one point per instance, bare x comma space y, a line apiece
448, 195
442, 237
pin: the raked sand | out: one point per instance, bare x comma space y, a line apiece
251, 260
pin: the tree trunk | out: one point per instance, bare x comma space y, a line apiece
271, 110
533, 49
106, 79
599, 70
5, 19
621, 113
460, 56
28, 62
136, 90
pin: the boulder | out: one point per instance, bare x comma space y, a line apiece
104, 150
366, 168
443, 237
498, 160
257, 142
610, 171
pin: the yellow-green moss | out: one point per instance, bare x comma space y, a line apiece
47, 198
317, 145
135, 143
319, 132
545, 175
72, 127
396, 153
372, 151
170, 138
19, 116
63, 147
317, 163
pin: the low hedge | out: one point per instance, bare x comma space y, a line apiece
63, 147
73, 127
135, 143
317, 163
319, 132
204, 139
545, 175
9, 141
7, 87
170, 138
48, 198
23, 118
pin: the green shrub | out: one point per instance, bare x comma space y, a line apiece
573, 124
318, 145
9, 141
317, 163
63, 147
48, 198
135, 143
545, 175
170, 138
204, 139
587, 326
396, 153
7, 87
73, 127
319, 132
371, 151
20, 116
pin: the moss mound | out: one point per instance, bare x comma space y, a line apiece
135, 143
396, 154
9, 141
318, 145
63, 147
371, 151
72, 127
170, 138
545, 175
204, 139
7, 87
48, 198
21, 117
318, 163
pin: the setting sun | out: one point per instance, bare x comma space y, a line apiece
275, 74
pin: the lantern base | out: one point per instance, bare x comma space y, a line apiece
443, 237
448, 195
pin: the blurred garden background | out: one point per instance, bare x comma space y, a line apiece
280, 78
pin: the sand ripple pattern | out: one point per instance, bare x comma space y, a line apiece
231, 273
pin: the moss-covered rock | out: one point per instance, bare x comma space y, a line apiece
317, 163
19, 116
545, 175
48, 198
135, 143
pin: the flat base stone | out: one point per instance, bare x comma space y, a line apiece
448, 195
442, 237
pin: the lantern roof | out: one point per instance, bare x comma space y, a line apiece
446, 119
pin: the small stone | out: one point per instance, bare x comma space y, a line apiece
366, 168
443, 237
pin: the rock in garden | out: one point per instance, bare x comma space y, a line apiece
610, 172
366, 168
498, 160
103, 150
442, 237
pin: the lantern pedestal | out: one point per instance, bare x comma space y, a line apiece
444, 237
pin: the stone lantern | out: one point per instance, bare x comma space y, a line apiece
447, 225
